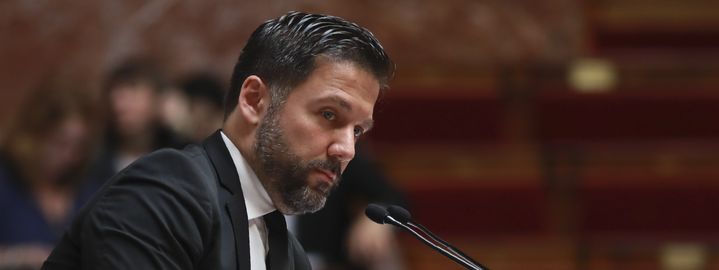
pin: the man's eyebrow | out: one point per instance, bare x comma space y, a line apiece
340, 101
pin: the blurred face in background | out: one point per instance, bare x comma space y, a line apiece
206, 118
193, 118
135, 107
64, 147
54, 134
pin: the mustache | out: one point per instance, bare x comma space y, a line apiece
333, 166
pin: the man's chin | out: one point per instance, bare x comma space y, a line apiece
288, 210
322, 189
307, 200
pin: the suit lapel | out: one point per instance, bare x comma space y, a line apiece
226, 171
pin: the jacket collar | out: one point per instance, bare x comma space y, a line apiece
221, 159
235, 206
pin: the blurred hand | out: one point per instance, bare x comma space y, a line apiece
23, 256
370, 243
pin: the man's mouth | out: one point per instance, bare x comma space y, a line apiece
330, 177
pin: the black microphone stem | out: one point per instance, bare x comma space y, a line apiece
444, 243
431, 244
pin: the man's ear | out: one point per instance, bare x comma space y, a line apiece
254, 99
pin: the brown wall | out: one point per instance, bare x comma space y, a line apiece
431, 41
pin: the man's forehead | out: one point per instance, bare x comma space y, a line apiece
347, 80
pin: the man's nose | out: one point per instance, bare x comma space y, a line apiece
343, 146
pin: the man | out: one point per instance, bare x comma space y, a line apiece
302, 92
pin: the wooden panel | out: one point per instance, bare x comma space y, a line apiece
444, 119
626, 117
506, 253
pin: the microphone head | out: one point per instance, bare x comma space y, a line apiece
399, 213
376, 213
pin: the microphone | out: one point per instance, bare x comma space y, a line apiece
400, 217
404, 216
376, 213
399, 213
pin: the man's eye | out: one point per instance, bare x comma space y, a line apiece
328, 115
359, 131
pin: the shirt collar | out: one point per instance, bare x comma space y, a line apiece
257, 200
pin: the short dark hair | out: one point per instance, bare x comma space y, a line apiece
133, 71
204, 86
282, 53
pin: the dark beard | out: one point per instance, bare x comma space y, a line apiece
284, 175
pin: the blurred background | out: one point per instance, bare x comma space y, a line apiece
544, 134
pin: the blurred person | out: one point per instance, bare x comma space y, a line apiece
205, 99
42, 162
133, 93
302, 93
196, 110
350, 240
175, 112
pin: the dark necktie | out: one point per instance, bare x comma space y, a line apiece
277, 258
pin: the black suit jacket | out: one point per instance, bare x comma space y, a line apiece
169, 210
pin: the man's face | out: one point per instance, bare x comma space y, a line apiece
304, 145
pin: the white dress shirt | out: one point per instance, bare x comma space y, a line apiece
258, 204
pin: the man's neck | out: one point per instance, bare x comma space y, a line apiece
258, 201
